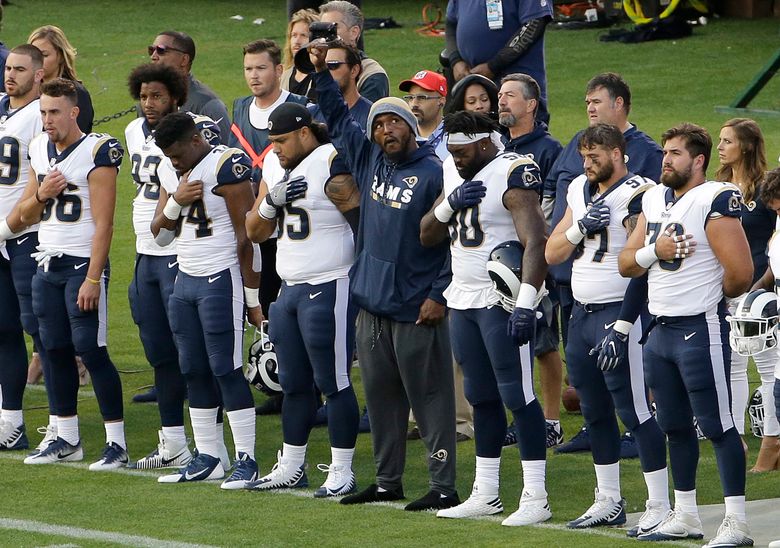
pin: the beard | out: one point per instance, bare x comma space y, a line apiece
676, 179
507, 119
602, 175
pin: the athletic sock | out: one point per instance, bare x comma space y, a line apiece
203, 430
68, 429
685, 501
15, 417
342, 457
294, 454
534, 475
657, 483
242, 425
115, 432
608, 480
735, 506
175, 434
487, 475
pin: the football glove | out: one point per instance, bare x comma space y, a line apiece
596, 219
612, 351
468, 194
522, 325
286, 192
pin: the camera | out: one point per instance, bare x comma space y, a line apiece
320, 29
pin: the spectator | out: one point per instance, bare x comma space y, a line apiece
293, 80
343, 62
426, 95
474, 93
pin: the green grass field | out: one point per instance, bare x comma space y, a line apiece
671, 82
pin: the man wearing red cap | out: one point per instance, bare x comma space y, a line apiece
426, 94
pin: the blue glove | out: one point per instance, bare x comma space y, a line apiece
286, 192
468, 194
595, 220
522, 325
612, 351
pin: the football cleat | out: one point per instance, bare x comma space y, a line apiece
201, 468
57, 451
49, 435
677, 526
655, 513
340, 481
533, 508
284, 475
13, 439
433, 500
167, 455
580, 442
476, 505
731, 533
603, 512
554, 433
114, 456
244, 471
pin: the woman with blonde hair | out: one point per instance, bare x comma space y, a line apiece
297, 36
743, 162
59, 61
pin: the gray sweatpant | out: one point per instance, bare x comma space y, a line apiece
404, 364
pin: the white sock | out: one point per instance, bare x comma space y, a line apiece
608, 480
204, 431
487, 475
175, 434
342, 457
115, 432
242, 425
658, 485
534, 475
685, 501
735, 506
68, 429
294, 454
53, 422
15, 417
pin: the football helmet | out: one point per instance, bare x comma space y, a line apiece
504, 267
756, 413
754, 323
262, 367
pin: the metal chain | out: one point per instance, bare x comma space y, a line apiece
114, 116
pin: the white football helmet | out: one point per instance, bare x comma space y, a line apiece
504, 267
756, 413
754, 323
262, 367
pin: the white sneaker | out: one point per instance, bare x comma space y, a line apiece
340, 481
49, 435
474, 506
774, 544
655, 513
284, 475
678, 525
168, 454
13, 438
114, 456
57, 451
731, 533
533, 508
603, 512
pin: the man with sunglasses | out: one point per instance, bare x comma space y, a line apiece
426, 94
177, 50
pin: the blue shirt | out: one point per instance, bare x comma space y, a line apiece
359, 112
539, 144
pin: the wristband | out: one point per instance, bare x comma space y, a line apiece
623, 327
90, 280
443, 212
172, 209
645, 256
38, 198
574, 234
526, 297
252, 296
5, 231
267, 211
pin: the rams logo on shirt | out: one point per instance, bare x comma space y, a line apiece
239, 170
410, 181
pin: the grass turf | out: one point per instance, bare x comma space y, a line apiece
671, 82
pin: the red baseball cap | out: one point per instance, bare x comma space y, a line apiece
426, 79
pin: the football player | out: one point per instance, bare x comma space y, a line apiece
206, 310
488, 198
604, 204
72, 193
19, 124
690, 241
308, 192
160, 91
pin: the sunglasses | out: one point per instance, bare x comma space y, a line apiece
162, 50
333, 65
410, 98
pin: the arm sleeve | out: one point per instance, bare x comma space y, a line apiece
634, 300
216, 110
375, 87
528, 33
442, 281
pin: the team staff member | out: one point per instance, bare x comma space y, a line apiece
402, 340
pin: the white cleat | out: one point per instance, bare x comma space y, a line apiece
475, 506
57, 451
533, 508
603, 512
49, 435
114, 456
655, 514
731, 533
168, 454
678, 526
284, 475
340, 481
203, 467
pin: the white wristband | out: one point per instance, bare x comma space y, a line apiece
646, 257
252, 297
172, 209
573, 234
443, 212
267, 211
526, 297
622, 326
5, 231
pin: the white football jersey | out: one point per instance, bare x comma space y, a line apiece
207, 242
476, 231
690, 286
17, 130
315, 242
66, 224
595, 278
